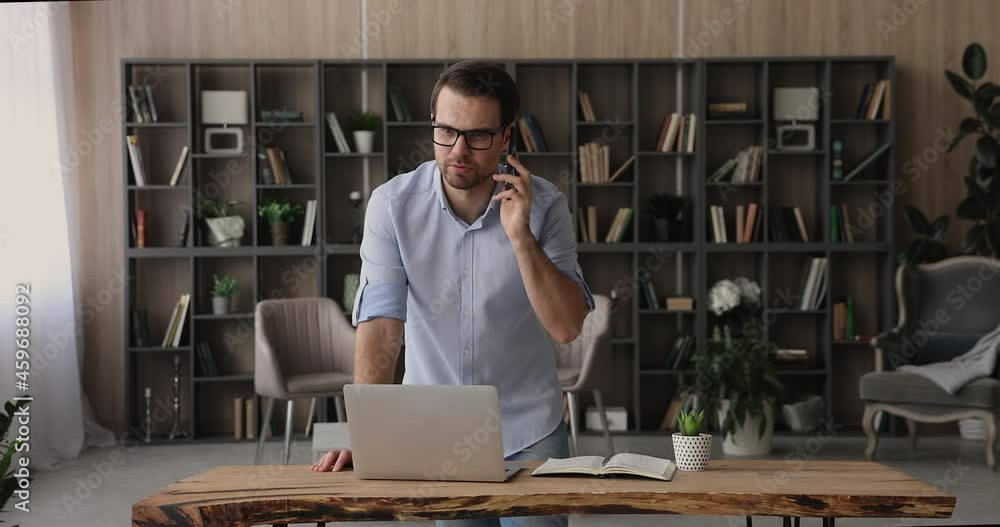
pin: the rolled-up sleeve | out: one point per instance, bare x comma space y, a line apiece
558, 241
382, 289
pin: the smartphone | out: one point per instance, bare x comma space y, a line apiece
505, 167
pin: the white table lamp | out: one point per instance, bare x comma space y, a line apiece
225, 108
793, 107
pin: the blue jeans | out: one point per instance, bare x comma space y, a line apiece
555, 444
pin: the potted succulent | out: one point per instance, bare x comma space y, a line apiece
692, 448
667, 217
8, 448
223, 288
278, 215
735, 377
224, 227
364, 126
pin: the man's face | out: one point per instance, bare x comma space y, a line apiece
462, 167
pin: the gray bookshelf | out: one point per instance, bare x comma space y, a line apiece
631, 98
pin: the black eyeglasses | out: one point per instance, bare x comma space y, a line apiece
476, 139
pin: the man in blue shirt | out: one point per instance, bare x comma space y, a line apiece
484, 277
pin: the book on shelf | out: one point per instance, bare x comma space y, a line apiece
875, 96
143, 105
744, 167
679, 401
175, 328
866, 161
239, 416
586, 106
140, 328
801, 223
649, 297
592, 222
279, 166
531, 133
135, 157
728, 108
740, 223
843, 319
680, 303
400, 109
788, 225
846, 225
619, 225
595, 161
207, 365
793, 357
751, 226
677, 133
151, 103
339, 139
814, 283
621, 169
619, 464
250, 417
179, 167
185, 230
679, 350
309, 224
140, 228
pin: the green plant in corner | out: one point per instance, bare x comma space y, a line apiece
982, 202
277, 212
224, 285
8, 483
689, 422
366, 121
929, 246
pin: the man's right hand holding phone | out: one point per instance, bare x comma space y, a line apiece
333, 461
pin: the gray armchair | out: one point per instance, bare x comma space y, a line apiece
944, 308
581, 363
304, 349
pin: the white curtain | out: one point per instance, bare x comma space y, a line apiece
38, 230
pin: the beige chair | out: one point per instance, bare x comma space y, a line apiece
304, 349
581, 363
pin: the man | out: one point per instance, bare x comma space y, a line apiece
484, 277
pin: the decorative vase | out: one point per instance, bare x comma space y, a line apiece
226, 231
363, 140
279, 234
220, 305
661, 229
692, 453
744, 441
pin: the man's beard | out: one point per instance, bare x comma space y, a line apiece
464, 181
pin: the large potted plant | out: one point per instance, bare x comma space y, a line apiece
365, 125
223, 226
734, 374
278, 215
982, 202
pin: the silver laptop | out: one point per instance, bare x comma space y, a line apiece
424, 432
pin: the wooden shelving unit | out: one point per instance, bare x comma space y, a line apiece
631, 98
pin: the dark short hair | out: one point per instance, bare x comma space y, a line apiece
481, 79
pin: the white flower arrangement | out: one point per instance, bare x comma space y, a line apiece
727, 295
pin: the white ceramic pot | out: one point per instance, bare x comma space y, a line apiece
692, 452
220, 305
744, 441
364, 139
226, 231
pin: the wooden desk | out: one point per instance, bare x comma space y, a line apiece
276, 494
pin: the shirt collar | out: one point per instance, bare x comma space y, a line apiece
443, 199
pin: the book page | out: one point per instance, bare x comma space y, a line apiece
638, 463
579, 464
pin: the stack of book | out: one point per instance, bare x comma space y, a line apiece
587, 222
743, 168
748, 223
680, 304
398, 103
244, 417
172, 338
143, 105
679, 353
531, 133
135, 156
595, 164
586, 106
792, 357
843, 319
310, 223
841, 229
788, 225
279, 167
649, 298
677, 133
815, 281
337, 132
728, 108
875, 98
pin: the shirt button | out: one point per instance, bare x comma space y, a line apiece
466, 312
468, 352
466, 271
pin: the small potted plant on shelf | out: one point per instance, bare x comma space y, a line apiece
692, 448
365, 125
278, 215
224, 227
667, 217
223, 288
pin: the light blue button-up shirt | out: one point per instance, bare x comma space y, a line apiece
459, 290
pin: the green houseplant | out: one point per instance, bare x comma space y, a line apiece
982, 202
692, 448
928, 245
224, 227
223, 288
8, 483
364, 125
278, 215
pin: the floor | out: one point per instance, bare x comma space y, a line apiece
97, 489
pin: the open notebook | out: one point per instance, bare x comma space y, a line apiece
624, 463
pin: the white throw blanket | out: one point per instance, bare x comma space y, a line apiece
963, 369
